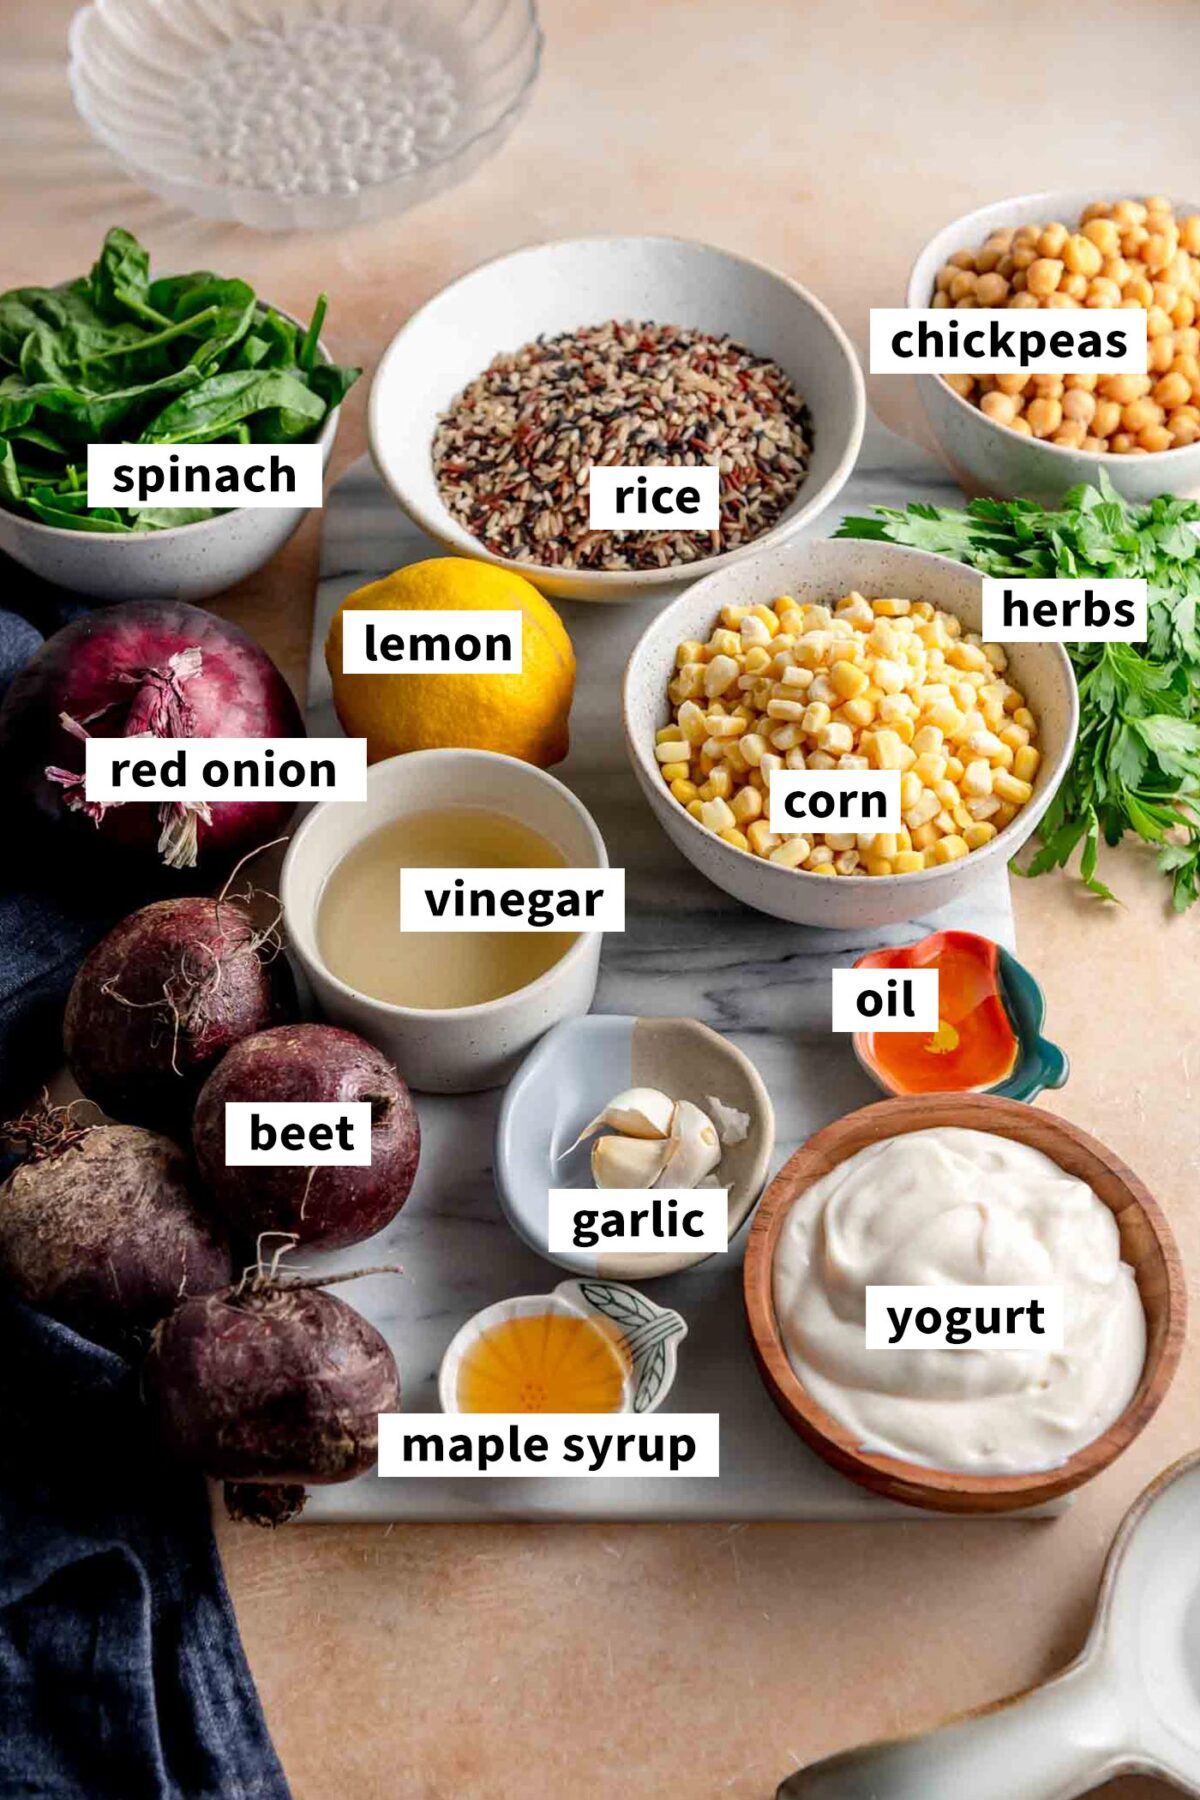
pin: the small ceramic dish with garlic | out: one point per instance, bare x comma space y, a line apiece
615, 1102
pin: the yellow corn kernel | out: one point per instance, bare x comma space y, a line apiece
967, 656
846, 862
720, 675
826, 868
715, 813
676, 750
928, 741
910, 788
762, 839
886, 748
950, 849
859, 712
977, 778
945, 715
1003, 815
1015, 736
816, 716
903, 839
692, 651
747, 805
757, 659
723, 643
820, 853
732, 616
944, 823
907, 862
841, 840
1003, 759
767, 617
904, 729
718, 785
787, 709
979, 834
696, 807
726, 725
954, 769
734, 837
849, 680
674, 771
1026, 762
878, 865
753, 748
665, 733
685, 792
1024, 717
1009, 788
890, 608
925, 836
930, 768
835, 738
791, 852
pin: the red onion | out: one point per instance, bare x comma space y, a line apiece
156, 668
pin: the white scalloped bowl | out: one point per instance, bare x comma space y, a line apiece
419, 95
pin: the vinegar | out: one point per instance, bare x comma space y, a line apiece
358, 916
549, 1363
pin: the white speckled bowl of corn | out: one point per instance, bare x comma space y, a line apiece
823, 573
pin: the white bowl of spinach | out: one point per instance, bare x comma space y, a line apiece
116, 357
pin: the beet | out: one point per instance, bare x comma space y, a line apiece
271, 1382
160, 1000
321, 1205
154, 667
100, 1227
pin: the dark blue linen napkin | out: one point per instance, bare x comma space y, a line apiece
122, 1675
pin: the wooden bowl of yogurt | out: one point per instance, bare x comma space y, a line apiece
966, 1191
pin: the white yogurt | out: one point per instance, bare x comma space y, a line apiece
965, 1208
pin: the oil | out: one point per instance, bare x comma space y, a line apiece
358, 918
547, 1362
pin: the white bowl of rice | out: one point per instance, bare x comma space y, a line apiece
484, 434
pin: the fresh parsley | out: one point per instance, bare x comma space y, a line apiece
1136, 766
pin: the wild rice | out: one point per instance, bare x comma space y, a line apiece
511, 454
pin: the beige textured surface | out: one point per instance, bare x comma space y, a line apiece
829, 139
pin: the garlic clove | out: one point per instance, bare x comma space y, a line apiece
635, 1113
627, 1162
694, 1149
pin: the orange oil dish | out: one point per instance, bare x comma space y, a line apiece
545, 1362
974, 1046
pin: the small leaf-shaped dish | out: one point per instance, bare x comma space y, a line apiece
644, 1336
988, 1041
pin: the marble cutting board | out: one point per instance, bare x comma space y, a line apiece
688, 950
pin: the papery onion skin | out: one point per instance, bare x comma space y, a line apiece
272, 1383
160, 1000
145, 666
323, 1205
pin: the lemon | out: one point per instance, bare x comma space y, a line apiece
521, 715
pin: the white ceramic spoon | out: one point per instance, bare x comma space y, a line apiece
1130, 1703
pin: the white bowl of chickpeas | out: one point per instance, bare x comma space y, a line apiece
852, 655
1038, 435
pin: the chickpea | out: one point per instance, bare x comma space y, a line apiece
1075, 286
1184, 430
1184, 311
1023, 299
963, 259
1106, 418
1102, 231
1052, 239
1102, 292
1129, 212
1087, 381
991, 290
1044, 275
961, 284
1079, 406
1140, 413
1023, 255
1138, 289
1172, 391
1021, 426
1160, 354
1082, 255
1095, 444
1000, 407
963, 385
1070, 434
1153, 438
1157, 321
1124, 388
1189, 234
1060, 300
1044, 416
1121, 443
1013, 384
1115, 268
